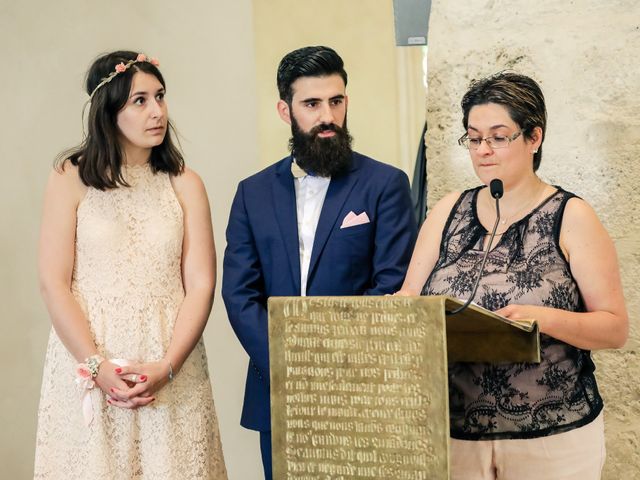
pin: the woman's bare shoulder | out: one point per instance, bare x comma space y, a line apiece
65, 182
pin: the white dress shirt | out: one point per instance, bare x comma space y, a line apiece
310, 193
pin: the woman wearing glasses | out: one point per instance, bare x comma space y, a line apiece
551, 260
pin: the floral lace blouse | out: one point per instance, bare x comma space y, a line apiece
526, 266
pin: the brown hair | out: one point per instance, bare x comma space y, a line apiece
519, 94
99, 156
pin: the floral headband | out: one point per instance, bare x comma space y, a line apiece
123, 67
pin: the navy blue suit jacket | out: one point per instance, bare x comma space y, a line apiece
262, 260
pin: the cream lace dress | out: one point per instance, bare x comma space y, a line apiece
127, 279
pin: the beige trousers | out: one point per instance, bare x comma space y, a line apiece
575, 455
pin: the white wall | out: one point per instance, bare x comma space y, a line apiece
206, 52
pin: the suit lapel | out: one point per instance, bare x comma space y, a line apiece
284, 201
337, 194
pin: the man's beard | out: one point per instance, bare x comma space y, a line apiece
326, 157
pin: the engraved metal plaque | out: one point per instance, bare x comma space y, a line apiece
359, 388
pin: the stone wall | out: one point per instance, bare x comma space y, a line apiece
584, 54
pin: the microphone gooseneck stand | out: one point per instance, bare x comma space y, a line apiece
497, 191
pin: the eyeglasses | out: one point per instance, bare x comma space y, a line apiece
494, 141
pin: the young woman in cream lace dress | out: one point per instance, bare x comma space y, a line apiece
127, 270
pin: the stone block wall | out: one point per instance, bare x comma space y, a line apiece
584, 55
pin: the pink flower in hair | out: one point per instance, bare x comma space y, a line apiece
120, 67
154, 61
141, 57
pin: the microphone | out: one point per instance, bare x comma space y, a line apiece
497, 190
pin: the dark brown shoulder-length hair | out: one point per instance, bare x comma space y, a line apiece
99, 157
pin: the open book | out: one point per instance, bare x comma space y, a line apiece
479, 335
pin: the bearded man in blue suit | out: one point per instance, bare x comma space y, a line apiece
323, 221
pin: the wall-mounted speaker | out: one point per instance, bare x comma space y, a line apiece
411, 18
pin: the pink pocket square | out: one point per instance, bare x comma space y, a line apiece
351, 220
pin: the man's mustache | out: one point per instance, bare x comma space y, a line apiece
324, 127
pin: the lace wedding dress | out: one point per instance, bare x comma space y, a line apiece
127, 279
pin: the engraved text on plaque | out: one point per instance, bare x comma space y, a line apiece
358, 388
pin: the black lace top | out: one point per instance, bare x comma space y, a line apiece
527, 267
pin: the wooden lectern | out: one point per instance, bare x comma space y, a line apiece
359, 384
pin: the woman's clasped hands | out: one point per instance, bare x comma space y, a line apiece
132, 385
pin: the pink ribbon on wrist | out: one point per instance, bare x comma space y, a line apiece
86, 383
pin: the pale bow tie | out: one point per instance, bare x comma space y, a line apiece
297, 171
